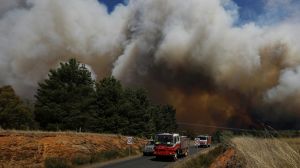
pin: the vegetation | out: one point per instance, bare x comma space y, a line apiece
251, 149
65, 101
202, 159
81, 159
55, 162
14, 114
124, 111
293, 142
266, 152
111, 155
71, 100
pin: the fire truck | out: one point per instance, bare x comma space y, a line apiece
171, 145
203, 141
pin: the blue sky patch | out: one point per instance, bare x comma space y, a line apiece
246, 11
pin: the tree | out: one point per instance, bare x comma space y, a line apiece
109, 93
124, 111
14, 114
165, 118
69, 99
139, 115
66, 100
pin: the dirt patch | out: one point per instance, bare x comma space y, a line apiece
226, 160
30, 149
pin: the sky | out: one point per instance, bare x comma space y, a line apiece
232, 56
249, 10
111, 3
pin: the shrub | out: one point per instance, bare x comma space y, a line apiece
105, 155
56, 162
81, 159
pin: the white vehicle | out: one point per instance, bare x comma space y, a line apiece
149, 148
203, 141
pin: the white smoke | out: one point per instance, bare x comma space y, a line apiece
34, 40
7, 5
289, 86
198, 35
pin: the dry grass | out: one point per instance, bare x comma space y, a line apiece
293, 142
32, 148
40, 132
268, 152
202, 159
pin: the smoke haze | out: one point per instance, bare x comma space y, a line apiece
191, 54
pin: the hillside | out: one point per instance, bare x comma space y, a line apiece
31, 149
268, 152
248, 152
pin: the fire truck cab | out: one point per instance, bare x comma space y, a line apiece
170, 145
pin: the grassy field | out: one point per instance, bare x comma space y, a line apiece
293, 142
268, 152
203, 159
249, 152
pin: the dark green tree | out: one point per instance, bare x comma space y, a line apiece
140, 115
124, 111
66, 100
165, 119
109, 93
14, 114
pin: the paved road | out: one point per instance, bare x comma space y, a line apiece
147, 161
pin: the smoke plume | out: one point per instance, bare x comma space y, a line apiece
191, 54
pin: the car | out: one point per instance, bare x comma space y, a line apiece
149, 148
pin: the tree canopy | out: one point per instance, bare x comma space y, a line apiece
66, 99
130, 111
14, 114
70, 100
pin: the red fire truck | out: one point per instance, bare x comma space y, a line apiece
171, 145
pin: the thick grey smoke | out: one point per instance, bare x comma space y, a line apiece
7, 5
35, 39
188, 53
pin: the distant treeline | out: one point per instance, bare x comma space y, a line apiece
69, 99
222, 135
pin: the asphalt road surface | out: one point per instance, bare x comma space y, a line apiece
147, 161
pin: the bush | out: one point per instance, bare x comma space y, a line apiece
222, 136
56, 162
81, 159
112, 154
105, 155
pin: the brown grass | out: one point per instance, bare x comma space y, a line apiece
293, 142
32, 148
268, 152
202, 159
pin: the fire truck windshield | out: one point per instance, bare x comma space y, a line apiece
164, 139
202, 138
